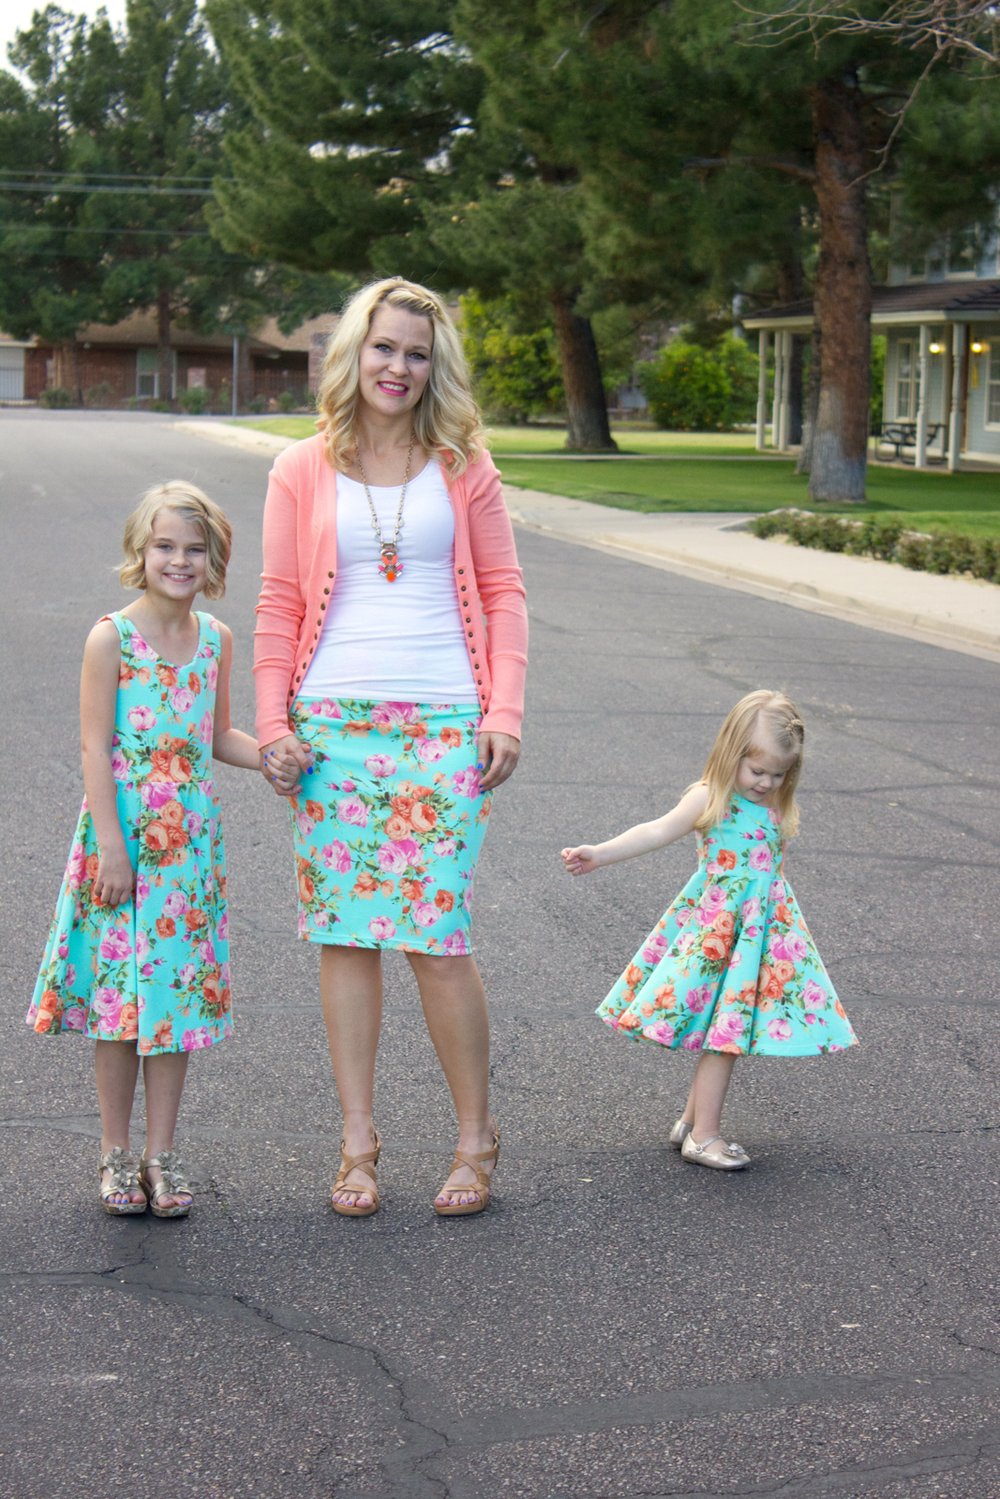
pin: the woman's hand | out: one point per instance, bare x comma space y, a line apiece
582, 860
498, 757
114, 881
283, 762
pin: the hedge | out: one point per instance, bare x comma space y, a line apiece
942, 552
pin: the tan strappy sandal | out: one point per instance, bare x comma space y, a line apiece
124, 1179
482, 1185
369, 1159
173, 1183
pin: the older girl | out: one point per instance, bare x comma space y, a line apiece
390, 660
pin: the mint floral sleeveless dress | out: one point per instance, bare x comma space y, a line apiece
155, 970
731, 965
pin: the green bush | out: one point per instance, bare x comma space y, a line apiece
57, 397
102, 394
289, 400
942, 552
194, 400
691, 388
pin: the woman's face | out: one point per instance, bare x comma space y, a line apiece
395, 363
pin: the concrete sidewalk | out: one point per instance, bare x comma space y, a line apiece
960, 614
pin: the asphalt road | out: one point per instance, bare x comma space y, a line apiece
619, 1324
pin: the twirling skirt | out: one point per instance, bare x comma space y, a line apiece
389, 824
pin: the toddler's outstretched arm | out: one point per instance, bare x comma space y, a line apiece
643, 838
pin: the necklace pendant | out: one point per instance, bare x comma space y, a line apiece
390, 566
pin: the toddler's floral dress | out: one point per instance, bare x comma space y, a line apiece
155, 970
731, 965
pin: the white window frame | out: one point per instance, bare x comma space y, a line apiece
993, 385
908, 382
147, 368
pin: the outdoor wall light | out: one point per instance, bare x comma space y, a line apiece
978, 347
935, 348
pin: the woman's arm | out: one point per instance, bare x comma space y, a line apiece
643, 838
501, 592
280, 609
98, 698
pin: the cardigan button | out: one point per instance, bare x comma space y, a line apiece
329, 575
326, 590
322, 604
461, 570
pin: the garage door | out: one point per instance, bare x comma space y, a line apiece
11, 374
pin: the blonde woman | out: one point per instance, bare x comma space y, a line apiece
390, 658
730, 969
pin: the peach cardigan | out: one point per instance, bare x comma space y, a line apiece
300, 573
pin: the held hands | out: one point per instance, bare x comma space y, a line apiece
115, 880
582, 860
283, 762
498, 756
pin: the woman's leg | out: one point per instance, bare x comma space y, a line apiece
163, 1076
708, 1093
350, 986
116, 1066
454, 1004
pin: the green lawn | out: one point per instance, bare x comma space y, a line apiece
676, 472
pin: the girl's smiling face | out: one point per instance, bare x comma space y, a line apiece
175, 561
395, 363
761, 773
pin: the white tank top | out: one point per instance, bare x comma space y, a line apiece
400, 641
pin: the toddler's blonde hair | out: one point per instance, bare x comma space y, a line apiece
760, 721
446, 420
187, 500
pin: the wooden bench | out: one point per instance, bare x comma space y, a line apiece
902, 435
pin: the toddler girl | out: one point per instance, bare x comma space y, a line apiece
730, 969
138, 954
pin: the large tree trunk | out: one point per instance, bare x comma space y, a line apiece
586, 405
843, 294
165, 359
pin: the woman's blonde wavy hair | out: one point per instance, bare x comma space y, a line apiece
759, 722
187, 500
446, 420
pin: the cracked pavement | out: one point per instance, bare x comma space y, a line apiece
617, 1326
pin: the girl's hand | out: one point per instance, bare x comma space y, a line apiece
498, 757
283, 762
115, 880
582, 860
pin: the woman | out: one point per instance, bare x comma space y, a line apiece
390, 654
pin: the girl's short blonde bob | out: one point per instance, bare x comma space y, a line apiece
187, 500
761, 721
446, 421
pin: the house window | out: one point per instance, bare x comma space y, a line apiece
963, 252
907, 380
993, 386
147, 373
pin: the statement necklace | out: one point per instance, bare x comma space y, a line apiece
389, 564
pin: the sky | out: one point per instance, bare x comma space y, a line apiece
15, 16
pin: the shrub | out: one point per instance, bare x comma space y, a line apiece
289, 400
56, 398
942, 552
102, 394
691, 388
194, 400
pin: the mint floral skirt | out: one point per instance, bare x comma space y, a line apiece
389, 825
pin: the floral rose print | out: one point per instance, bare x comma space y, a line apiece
399, 785
731, 965
155, 970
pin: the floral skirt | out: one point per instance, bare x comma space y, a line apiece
389, 824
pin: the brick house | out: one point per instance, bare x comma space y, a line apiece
118, 364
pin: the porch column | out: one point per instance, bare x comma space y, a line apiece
923, 380
762, 348
955, 425
786, 340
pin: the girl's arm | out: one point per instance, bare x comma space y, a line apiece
643, 838
230, 745
114, 880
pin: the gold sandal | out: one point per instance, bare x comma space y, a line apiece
173, 1183
124, 1179
482, 1184
348, 1163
